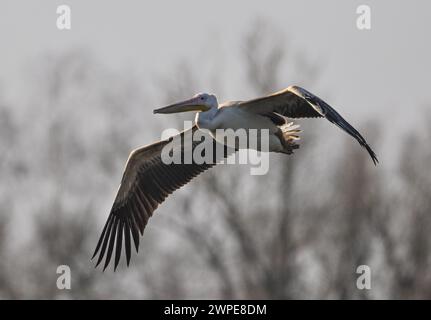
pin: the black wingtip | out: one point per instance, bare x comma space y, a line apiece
99, 260
106, 263
371, 153
95, 253
333, 116
375, 160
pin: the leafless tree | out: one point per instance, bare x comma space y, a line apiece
298, 232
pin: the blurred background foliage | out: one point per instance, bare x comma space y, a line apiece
298, 232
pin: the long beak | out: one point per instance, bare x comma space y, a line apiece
188, 105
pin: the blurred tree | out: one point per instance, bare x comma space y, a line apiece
298, 232
251, 250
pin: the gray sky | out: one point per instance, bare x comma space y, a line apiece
367, 72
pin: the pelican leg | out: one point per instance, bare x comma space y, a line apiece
288, 135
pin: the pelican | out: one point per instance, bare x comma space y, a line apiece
147, 180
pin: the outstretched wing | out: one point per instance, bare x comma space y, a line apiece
146, 182
296, 102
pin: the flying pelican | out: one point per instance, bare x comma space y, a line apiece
147, 180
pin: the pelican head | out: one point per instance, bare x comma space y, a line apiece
199, 102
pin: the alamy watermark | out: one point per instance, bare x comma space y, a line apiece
252, 146
363, 21
64, 19
64, 279
364, 279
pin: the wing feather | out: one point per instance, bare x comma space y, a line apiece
296, 102
146, 183
127, 242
